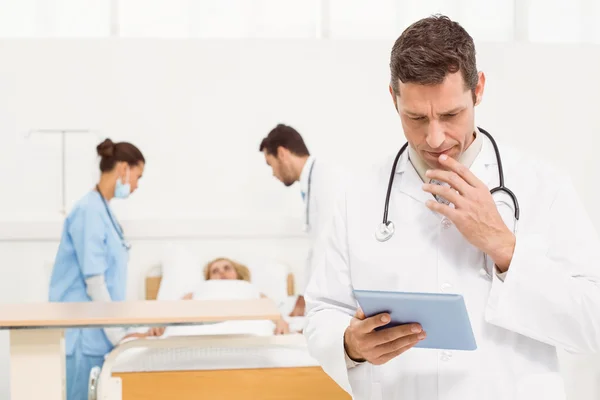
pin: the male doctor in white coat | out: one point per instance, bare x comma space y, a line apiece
527, 293
320, 181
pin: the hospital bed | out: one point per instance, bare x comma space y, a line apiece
242, 363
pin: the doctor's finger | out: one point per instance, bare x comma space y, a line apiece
389, 356
451, 178
443, 209
446, 192
393, 335
461, 170
401, 342
360, 314
367, 325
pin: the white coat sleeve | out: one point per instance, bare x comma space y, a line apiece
330, 303
551, 292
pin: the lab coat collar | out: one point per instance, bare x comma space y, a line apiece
410, 182
484, 166
412, 185
305, 174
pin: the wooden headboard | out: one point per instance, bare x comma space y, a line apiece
153, 284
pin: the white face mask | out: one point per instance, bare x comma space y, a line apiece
123, 190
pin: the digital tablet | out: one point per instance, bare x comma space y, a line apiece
443, 316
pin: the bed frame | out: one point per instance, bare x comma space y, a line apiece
300, 383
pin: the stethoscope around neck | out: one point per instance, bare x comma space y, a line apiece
115, 225
386, 229
307, 199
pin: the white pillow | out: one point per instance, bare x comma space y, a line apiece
181, 273
269, 276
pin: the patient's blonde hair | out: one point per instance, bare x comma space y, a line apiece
242, 271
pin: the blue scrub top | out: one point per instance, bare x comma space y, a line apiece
90, 245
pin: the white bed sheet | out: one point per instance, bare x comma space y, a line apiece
273, 352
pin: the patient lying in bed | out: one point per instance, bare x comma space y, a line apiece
224, 268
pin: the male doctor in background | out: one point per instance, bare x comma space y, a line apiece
287, 155
527, 293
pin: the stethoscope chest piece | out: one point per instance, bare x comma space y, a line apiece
385, 231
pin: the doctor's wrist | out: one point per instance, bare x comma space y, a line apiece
503, 251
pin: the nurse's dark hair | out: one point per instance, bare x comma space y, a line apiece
111, 153
284, 136
431, 48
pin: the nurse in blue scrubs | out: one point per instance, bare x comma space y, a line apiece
91, 263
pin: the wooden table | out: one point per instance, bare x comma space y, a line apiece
37, 350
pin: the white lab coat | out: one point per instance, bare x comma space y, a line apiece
550, 297
326, 184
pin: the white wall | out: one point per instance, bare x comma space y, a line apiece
198, 110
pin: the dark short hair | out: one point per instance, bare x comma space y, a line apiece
284, 136
110, 153
431, 48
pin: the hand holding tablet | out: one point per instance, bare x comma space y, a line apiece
363, 341
382, 329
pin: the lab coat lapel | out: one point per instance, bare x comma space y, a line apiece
484, 165
410, 183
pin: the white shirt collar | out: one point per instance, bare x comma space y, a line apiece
305, 174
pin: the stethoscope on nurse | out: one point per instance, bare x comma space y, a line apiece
122, 191
124, 185
386, 229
